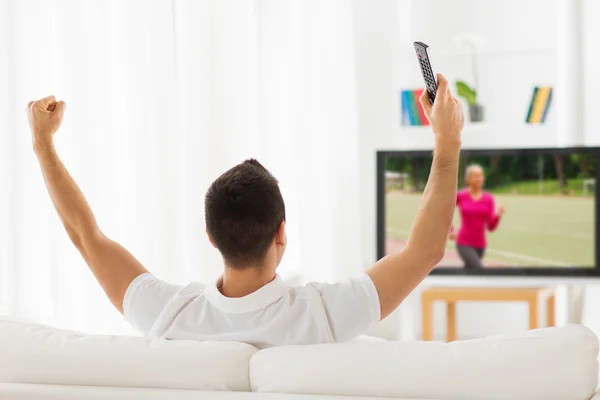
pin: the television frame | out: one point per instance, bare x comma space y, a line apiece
511, 271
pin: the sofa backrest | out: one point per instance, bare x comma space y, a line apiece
553, 363
31, 353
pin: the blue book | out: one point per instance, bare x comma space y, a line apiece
405, 109
408, 116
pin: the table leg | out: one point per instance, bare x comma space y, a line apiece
551, 311
451, 321
427, 319
533, 314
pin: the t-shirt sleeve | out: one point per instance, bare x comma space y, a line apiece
352, 307
145, 298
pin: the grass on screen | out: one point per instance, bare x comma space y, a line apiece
536, 230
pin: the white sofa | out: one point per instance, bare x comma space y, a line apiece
40, 362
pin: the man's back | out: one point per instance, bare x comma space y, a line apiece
276, 314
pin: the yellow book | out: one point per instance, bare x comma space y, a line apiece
539, 104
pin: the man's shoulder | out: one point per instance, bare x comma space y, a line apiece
192, 289
311, 291
320, 288
308, 289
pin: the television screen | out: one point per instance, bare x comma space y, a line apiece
517, 211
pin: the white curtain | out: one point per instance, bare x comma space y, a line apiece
162, 97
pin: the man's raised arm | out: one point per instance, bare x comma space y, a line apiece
396, 275
112, 265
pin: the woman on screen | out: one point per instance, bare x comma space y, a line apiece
477, 212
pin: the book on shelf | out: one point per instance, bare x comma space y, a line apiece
412, 111
539, 105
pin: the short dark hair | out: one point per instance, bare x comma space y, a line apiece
243, 211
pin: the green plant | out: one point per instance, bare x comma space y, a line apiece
466, 92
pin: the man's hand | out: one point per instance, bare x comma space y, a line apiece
45, 117
445, 116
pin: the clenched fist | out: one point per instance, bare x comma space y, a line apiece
45, 116
445, 116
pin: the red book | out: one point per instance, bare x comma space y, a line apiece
422, 116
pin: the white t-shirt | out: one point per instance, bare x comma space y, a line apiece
274, 315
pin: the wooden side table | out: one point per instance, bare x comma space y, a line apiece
533, 296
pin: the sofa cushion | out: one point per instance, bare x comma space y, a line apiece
33, 353
550, 363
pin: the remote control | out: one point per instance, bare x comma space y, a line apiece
423, 55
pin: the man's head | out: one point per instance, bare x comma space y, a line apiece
245, 216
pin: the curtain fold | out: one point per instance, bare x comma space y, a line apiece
162, 97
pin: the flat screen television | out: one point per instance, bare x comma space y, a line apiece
548, 227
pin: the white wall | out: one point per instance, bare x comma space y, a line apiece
591, 68
518, 53
6, 174
591, 80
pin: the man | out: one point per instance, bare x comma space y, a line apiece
245, 221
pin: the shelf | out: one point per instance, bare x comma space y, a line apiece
498, 53
474, 136
469, 127
478, 127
